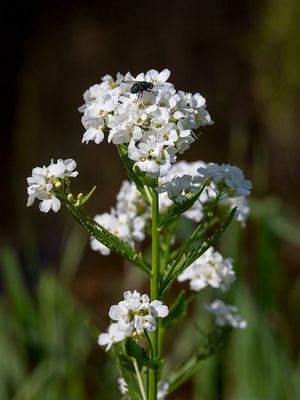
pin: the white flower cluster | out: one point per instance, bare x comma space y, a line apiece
127, 220
131, 317
227, 178
225, 315
162, 388
184, 179
155, 125
210, 269
129, 217
45, 180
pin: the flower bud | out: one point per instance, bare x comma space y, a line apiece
70, 197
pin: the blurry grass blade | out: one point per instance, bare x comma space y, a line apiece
190, 366
272, 211
18, 295
35, 384
177, 311
13, 364
72, 255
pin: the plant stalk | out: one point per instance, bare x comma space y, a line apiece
154, 289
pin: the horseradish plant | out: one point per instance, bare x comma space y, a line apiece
151, 123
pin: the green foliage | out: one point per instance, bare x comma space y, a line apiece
135, 174
127, 371
87, 196
179, 208
107, 238
184, 260
134, 350
43, 340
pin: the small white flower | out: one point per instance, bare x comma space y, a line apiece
144, 322
179, 188
210, 269
123, 387
113, 335
44, 180
162, 390
136, 313
230, 177
93, 134
158, 309
225, 315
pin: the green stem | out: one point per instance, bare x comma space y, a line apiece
153, 372
139, 379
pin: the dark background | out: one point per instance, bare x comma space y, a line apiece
242, 56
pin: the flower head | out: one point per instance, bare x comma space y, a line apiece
227, 178
225, 315
131, 316
183, 179
113, 335
156, 125
210, 269
46, 181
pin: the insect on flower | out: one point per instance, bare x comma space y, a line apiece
139, 87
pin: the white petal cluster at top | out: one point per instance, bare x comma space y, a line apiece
156, 125
44, 181
131, 317
225, 315
210, 269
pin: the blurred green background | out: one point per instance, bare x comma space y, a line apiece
243, 56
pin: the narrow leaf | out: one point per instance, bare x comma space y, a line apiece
107, 238
127, 372
178, 266
179, 208
134, 350
87, 196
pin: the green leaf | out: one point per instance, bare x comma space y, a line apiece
177, 311
195, 254
126, 368
107, 238
190, 366
134, 350
179, 208
135, 174
87, 196
178, 266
